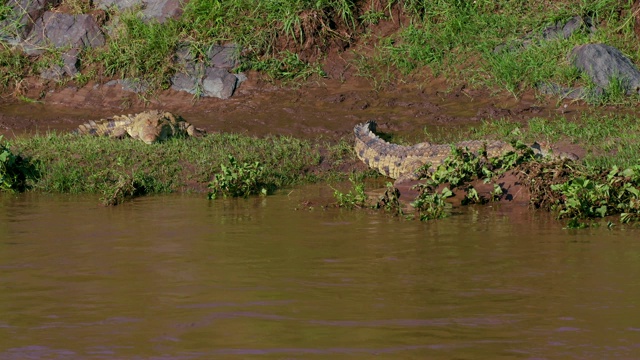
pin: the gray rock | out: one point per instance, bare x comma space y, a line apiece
210, 81
136, 86
63, 30
241, 78
564, 29
559, 30
160, 10
69, 66
215, 82
117, 4
218, 83
577, 93
603, 63
224, 56
190, 78
22, 17
185, 82
132, 85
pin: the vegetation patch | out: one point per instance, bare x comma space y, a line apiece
494, 44
237, 180
15, 171
122, 169
582, 195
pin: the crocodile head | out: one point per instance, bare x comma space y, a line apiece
151, 129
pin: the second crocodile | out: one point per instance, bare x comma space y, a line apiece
402, 162
148, 126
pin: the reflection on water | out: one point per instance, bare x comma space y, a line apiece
180, 277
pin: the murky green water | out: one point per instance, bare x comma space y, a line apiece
180, 277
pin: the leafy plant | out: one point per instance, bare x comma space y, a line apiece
596, 196
126, 187
14, 170
237, 180
355, 198
584, 198
390, 200
496, 193
432, 205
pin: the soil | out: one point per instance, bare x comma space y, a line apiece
327, 108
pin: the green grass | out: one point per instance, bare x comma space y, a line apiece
141, 50
286, 40
609, 139
14, 66
482, 43
82, 164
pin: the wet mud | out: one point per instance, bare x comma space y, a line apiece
327, 109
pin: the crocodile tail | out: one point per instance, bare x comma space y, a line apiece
377, 153
113, 127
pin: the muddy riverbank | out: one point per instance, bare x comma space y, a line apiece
327, 108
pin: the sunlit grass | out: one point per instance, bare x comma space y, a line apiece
76, 164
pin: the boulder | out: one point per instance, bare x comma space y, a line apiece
160, 10
603, 63
212, 79
69, 66
218, 83
60, 30
22, 17
224, 56
117, 4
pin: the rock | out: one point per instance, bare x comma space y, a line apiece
63, 30
218, 83
160, 10
22, 17
224, 56
564, 29
578, 93
213, 80
603, 63
131, 85
118, 4
69, 66
185, 82
559, 30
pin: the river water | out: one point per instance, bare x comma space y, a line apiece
181, 277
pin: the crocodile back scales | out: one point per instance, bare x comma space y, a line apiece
113, 126
396, 161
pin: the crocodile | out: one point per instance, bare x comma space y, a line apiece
148, 126
402, 162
